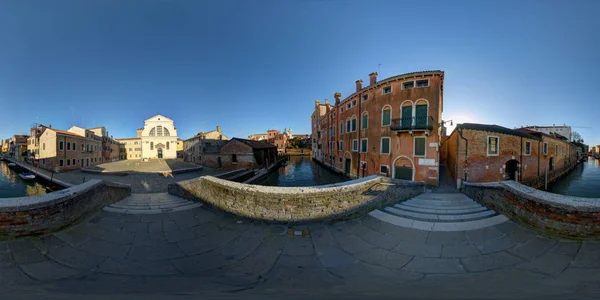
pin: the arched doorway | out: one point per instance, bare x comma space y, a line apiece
511, 167
403, 168
160, 153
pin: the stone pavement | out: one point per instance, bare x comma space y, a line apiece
137, 165
202, 252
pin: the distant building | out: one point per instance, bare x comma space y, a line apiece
110, 146
258, 137
130, 148
563, 130
157, 139
197, 148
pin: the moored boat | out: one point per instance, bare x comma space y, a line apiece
27, 176
12, 165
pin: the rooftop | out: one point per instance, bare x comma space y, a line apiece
497, 129
256, 144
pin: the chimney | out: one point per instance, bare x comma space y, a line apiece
316, 103
219, 128
337, 97
326, 102
373, 78
358, 85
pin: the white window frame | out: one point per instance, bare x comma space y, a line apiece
545, 148
366, 125
360, 146
342, 127
525, 149
382, 110
61, 163
385, 87
341, 145
403, 82
389, 145
422, 79
364, 98
415, 146
61, 145
354, 125
355, 143
487, 141
388, 170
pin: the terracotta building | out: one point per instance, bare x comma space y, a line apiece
110, 146
489, 153
388, 128
59, 150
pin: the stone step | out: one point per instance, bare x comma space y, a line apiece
441, 202
152, 211
151, 204
440, 211
129, 202
160, 205
445, 207
437, 226
439, 217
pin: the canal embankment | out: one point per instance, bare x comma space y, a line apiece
38, 172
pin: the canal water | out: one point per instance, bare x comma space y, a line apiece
302, 171
582, 181
11, 185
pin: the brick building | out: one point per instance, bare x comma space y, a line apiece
110, 146
388, 128
204, 147
241, 153
54, 149
489, 153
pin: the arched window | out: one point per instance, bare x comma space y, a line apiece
364, 122
167, 145
167, 132
348, 125
153, 132
159, 131
342, 127
353, 123
386, 116
151, 145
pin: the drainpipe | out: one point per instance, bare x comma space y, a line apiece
539, 154
460, 132
521, 163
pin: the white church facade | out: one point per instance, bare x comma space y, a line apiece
159, 138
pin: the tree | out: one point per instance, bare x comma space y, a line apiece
577, 137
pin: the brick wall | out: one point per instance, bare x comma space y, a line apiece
44, 214
297, 204
552, 214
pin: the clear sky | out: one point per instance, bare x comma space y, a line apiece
253, 65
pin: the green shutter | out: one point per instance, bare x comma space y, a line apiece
407, 117
420, 146
385, 146
386, 117
364, 122
421, 116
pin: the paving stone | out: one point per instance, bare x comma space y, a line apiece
183, 222
459, 251
21, 245
201, 262
411, 235
156, 227
75, 258
13, 276
196, 246
321, 237
144, 238
205, 229
28, 256
278, 230
50, 270
385, 258
3, 246
376, 238
418, 249
429, 265
168, 225
484, 234
179, 235
490, 261
548, 263
507, 227
145, 268
532, 248
119, 237
154, 218
566, 247
353, 244
378, 225
496, 245
154, 252
446, 238
262, 259
588, 255
107, 249
46, 243
240, 247
222, 236
94, 231
334, 257
136, 227
110, 224
5, 260
298, 246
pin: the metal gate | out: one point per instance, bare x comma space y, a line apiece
403, 173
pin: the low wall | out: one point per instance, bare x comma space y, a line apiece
552, 214
298, 204
43, 214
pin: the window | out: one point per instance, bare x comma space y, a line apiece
364, 145
492, 145
74, 162
233, 158
545, 149
43, 161
82, 162
364, 123
167, 145
151, 146
135, 143
365, 97
387, 89
527, 148
355, 145
341, 145
348, 126
61, 145
384, 169
342, 128
43, 146
423, 83
68, 146
167, 132
341, 159
153, 132
385, 145
353, 124
61, 163
386, 116
82, 147
408, 85
348, 106
68, 162
130, 149
420, 146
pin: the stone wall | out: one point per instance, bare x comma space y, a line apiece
552, 214
298, 204
43, 214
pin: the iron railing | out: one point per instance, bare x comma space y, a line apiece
413, 123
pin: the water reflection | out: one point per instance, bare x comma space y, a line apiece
11, 185
583, 181
302, 171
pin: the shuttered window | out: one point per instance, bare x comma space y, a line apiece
386, 116
420, 146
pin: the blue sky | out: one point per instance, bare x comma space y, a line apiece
254, 65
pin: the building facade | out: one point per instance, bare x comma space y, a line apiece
130, 148
204, 148
563, 130
110, 146
258, 137
389, 128
157, 139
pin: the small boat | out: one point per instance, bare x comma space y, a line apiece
27, 176
12, 165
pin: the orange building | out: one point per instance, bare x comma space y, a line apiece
390, 128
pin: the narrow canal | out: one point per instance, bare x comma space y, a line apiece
302, 171
11, 185
583, 181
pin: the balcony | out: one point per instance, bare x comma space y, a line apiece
424, 123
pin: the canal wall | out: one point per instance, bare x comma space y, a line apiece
552, 214
47, 175
331, 202
44, 214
